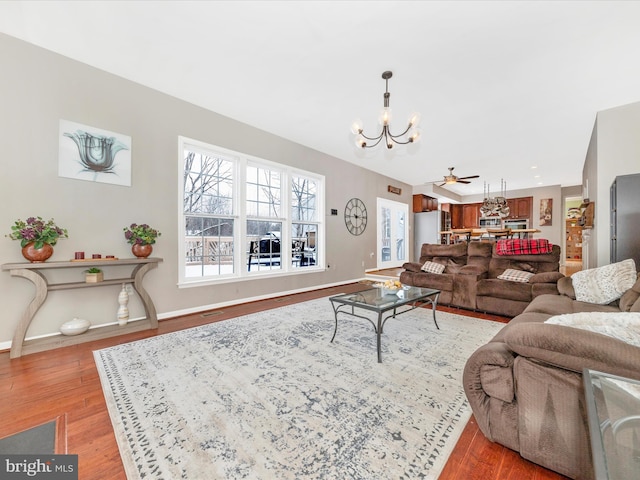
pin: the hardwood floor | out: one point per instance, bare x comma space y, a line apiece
64, 384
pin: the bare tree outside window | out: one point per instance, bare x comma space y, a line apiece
208, 206
278, 221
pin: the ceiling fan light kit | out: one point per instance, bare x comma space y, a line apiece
451, 178
410, 135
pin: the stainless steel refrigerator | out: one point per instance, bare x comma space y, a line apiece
625, 218
426, 228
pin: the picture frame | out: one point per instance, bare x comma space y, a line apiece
93, 154
546, 212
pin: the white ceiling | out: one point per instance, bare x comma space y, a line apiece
506, 89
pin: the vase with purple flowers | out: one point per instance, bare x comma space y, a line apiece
141, 237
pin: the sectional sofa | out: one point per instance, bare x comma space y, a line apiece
471, 275
525, 386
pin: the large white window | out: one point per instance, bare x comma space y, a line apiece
244, 217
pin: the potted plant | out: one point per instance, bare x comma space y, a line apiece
37, 237
141, 238
93, 275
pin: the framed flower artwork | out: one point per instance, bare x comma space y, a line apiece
95, 155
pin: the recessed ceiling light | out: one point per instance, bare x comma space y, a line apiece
536, 176
533, 167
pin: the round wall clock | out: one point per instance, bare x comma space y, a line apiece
355, 216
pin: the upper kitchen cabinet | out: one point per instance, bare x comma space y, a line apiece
471, 215
465, 215
424, 203
520, 207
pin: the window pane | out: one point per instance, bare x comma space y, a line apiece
385, 233
400, 240
304, 248
208, 246
263, 192
263, 245
208, 184
303, 198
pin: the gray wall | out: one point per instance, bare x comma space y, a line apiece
590, 191
39, 88
614, 150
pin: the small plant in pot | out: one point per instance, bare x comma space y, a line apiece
93, 275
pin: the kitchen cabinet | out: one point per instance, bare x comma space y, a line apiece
573, 249
520, 207
470, 215
456, 216
466, 215
424, 203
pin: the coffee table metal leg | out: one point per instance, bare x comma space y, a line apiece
434, 304
379, 334
335, 314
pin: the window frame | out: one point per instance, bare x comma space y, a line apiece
239, 205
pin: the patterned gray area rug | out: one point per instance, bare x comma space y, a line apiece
266, 396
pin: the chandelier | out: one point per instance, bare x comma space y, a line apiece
496, 205
410, 135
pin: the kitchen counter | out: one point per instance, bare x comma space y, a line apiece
481, 233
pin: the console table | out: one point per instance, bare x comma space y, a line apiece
32, 272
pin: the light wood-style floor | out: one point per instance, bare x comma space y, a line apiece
64, 384
570, 267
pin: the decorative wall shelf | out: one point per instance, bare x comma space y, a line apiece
32, 272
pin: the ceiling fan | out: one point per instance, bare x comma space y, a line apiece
451, 178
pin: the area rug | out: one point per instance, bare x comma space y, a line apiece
267, 396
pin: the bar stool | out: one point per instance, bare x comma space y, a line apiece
498, 233
461, 234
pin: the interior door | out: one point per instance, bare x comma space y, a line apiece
392, 233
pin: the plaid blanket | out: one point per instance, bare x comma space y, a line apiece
523, 246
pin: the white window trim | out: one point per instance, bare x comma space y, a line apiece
239, 207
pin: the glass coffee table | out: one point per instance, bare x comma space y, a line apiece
613, 411
375, 300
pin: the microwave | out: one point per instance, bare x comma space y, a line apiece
517, 224
490, 222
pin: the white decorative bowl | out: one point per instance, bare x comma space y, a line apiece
75, 326
390, 291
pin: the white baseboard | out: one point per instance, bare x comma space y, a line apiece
203, 308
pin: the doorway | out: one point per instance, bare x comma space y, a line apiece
571, 261
392, 233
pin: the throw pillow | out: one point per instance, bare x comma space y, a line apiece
624, 326
515, 275
432, 267
605, 284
